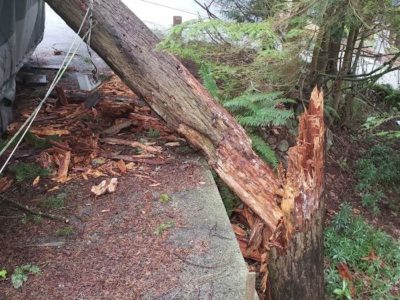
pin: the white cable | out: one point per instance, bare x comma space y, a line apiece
50, 89
28, 122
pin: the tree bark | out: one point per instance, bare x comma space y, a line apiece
345, 68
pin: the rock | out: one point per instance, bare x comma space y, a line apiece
283, 146
272, 140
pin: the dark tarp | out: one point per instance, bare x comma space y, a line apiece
21, 30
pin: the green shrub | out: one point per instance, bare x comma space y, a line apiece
389, 95
372, 256
20, 275
377, 171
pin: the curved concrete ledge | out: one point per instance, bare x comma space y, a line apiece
215, 268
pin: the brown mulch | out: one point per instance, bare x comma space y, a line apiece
112, 250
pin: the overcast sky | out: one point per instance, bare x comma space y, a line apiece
155, 13
160, 12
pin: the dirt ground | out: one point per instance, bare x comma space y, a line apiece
341, 181
111, 246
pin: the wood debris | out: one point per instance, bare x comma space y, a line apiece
5, 183
36, 181
106, 186
133, 144
49, 131
64, 162
61, 95
113, 130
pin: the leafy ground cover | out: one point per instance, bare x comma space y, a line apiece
378, 174
361, 262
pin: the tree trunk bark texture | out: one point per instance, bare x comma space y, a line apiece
282, 208
345, 68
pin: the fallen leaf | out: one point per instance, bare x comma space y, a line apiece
371, 257
36, 181
344, 272
106, 186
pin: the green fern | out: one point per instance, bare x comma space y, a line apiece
264, 150
208, 80
258, 110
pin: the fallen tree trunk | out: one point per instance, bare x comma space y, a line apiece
129, 48
281, 206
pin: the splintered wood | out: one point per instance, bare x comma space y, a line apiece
302, 188
69, 135
305, 174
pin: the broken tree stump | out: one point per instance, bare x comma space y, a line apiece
297, 271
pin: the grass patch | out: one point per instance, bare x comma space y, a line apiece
65, 231
28, 171
164, 198
153, 133
163, 227
36, 219
54, 202
372, 256
40, 143
33, 141
378, 172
